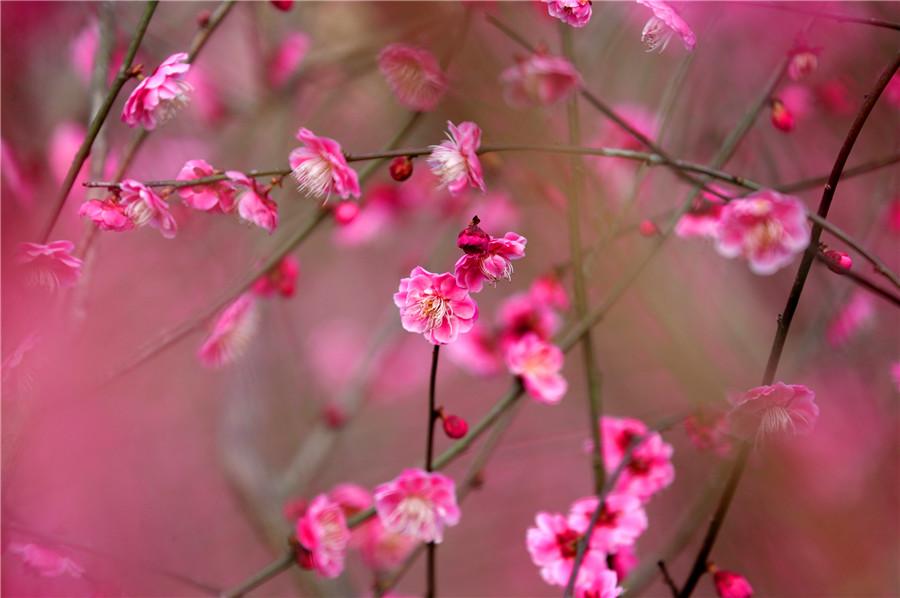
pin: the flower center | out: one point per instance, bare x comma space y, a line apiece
766, 234
656, 34
314, 176
568, 543
434, 309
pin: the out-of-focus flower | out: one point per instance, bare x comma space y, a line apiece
767, 228
144, 206
231, 333
401, 168
286, 58
617, 174
323, 537
603, 584
253, 202
835, 96
435, 305
157, 98
218, 195
455, 161
776, 409
414, 75
893, 216
731, 585
804, 60
521, 314
576, 13
352, 498
648, 228
67, 137
381, 549
539, 80
549, 291
664, 23
83, 49
855, 315
623, 561
321, 169
782, 118
838, 262
892, 91
538, 363
707, 430
207, 101
107, 214
798, 100
702, 220
281, 279
45, 561
621, 521
418, 504
491, 264
50, 265
282, 5
553, 544
14, 180
476, 352
650, 468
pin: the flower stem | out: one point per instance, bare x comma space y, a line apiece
433, 415
283, 563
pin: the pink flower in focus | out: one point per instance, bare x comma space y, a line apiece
455, 161
476, 352
538, 363
144, 206
205, 197
622, 520
157, 98
539, 80
253, 203
767, 228
549, 291
576, 13
775, 409
662, 25
493, 264
323, 536
107, 214
650, 469
286, 58
281, 279
45, 561
51, 265
853, 317
231, 333
414, 75
418, 504
731, 585
435, 305
553, 544
321, 169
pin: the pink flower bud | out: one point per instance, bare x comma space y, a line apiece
401, 168
837, 261
648, 228
782, 118
732, 585
346, 212
455, 426
334, 416
284, 5
473, 239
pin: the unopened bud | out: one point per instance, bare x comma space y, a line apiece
731, 585
346, 212
401, 168
473, 239
454, 426
782, 118
284, 5
837, 261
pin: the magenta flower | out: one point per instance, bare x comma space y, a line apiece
703, 218
383, 550
144, 206
539, 80
476, 352
286, 58
321, 169
664, 23
46, 562
731, 585
230, 334
766, 228
435, 305
553, 544
455, 161
622, 520
157, 98
492, 261
51, 265
776, 409
538, 363
418, 504
107, 214
623, 561
549, 291
852, 317
323, 537
650, 468
253, 203
576, 13
522, 314
219, 196
603, 584
414, 75
281, 279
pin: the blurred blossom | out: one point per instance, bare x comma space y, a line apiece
144, 206
418, 504
287, 58
414, 75
854, 316
521, 314
539, 80
64, 144
158, 97
702, 220
207, 100
623, 561
576, 13
455, 161
323, 537
15, 181
892, 91
617, 174
45, 561
731, 585
549, 291
621, 521
552, 544
50, 265
219, 196
435, 305
231, 333
539, 364
782, 117
804, 60
835, 97
798, 99
708, 430
775, 409
665, 23
476, 352
333, 349
281, 279
650, 468
383, 208
321, 169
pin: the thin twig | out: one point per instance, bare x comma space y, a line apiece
823, 14
282, 563
670, 583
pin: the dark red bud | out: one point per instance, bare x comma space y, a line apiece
782, 118
284, 5
837, 261
455, 426
401, 168
648, 228
473, 239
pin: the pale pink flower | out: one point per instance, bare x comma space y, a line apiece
157, 98
219, 196
798, 99
650, 468
286, 58
664, 23
435, 305
776, 409
45, 561
702, 220
548, 290
281, 279
51, 265
852, 317
418, 504
553, 544
622, 520
604, 584
455, 161
231, 334
107, 214
253, 203
539, 80
476, 352
576, 13
321, 169
491, 264
731, 585
521, 314
323, 536
766, 228
414, 75
144, 206
539, 364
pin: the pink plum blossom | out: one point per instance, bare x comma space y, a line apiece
323, 537
539, 364
108, 214
321, 169
281, 279
664, 23
576, 13
702, 220
767, 228
622, 520
603, 584
253, 202
623, 561
539, 80
45, 561
476, 352
553, 544
286, 58
231, 333
650, 468
548, 290
50, 265
414, 75
775, 409
218, 196
435, 305
731, 585
455, 161
418, 504
522, 314
491, 264
144, 206
156, 98
380, 549
855, 315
